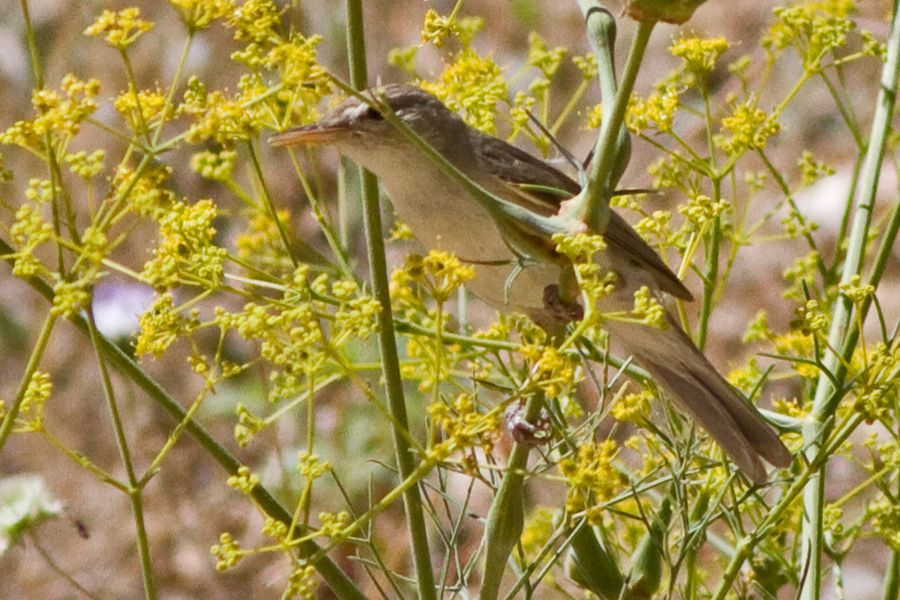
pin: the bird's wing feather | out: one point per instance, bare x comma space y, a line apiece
528, 175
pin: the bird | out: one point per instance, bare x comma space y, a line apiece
444, 216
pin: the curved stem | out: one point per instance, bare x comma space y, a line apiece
594, 211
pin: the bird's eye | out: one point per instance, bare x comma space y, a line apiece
373, 115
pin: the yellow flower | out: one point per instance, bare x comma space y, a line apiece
750, 128
656, 112
144, 109
699, 54
438, 28
58, 113
591, 476
633, 408
648, 310
254, 20
472, 84
228, 552
200, 14
119, 29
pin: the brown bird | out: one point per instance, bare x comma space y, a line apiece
442, 215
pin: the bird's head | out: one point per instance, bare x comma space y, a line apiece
356, 125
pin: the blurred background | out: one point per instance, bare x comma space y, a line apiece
187, 505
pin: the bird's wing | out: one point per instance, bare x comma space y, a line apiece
542, 188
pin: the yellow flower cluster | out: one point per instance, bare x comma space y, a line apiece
87, 166
812, 170
539, 528
438, 28
261, 246
699, 54
701, 210
311, 466
58, 113
803, 271
472, 84
227, 552
305, 81
215, 166
545, 59
876, 397
146, 194
749, 126
813, 28
592, 478
119, 29
553, 371
655, 228
244, 480
31, 411
72, 296
187, 253
648, 310
200, 14
465, 428
885, 517
581, 249
797, 344
254, 20
856, 291
633, 408
144, 110
302, 582
656, 112
333, 524
223, 118
29, 231
436, 275
247, 425
813, 317
162, 325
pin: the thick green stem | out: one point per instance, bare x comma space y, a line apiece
593, 207
892, 578
826, 400
390, 363
506, 517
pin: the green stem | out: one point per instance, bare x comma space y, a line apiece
892, 578
594, 209
135, 488
32, 46
711, 276
826, 400
267, 200
34, 360
406, 460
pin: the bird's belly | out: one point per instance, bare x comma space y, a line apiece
444, 221
444, 217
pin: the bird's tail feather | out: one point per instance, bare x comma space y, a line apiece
680, 368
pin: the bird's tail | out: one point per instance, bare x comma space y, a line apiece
680, 368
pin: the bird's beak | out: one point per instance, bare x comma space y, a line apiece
310, 134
